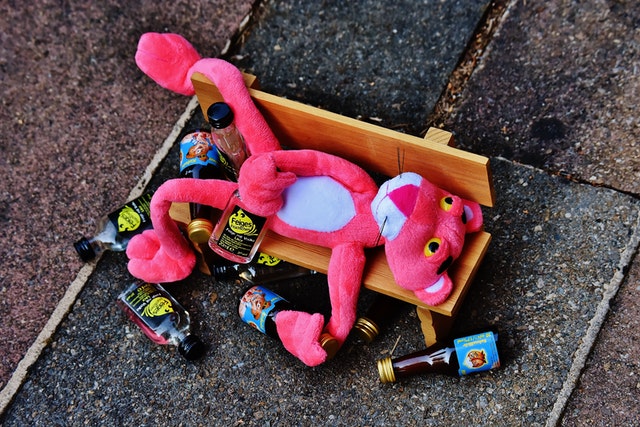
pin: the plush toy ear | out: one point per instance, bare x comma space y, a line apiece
394, 203
473, 215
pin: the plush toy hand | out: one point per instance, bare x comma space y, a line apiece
149, 261
261, 184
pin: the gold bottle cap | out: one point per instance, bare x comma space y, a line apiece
366, 329
385, 370
200, 230
329, 344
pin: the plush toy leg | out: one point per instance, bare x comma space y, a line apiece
300, 334
345, 278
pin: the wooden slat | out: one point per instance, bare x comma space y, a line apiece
372, 147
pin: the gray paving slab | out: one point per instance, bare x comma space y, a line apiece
100, 368
79, 125
558, 89
560, 253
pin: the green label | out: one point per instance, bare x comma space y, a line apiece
477, 353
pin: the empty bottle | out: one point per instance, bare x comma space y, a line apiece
225, 135
114, 230
259, 307
161, 318
199, 159
381, 312
462, 356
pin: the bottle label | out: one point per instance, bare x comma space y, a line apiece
241, 232
150, 307
197, 149
133, 218
255, 306
477, 353
268, 260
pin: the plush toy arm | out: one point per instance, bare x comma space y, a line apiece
261, 184
318, 163
163, 254
300, 332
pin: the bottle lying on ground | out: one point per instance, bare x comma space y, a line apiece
114, 230
379, 314
263, 269
462, 356
161, 318
259, 307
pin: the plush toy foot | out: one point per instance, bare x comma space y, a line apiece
436, 293
300, 334
148, 260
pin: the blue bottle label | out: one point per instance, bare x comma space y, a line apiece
477, 353
255, 306
197, 149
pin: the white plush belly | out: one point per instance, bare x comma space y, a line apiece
317, 203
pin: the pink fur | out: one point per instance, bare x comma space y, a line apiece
407, 213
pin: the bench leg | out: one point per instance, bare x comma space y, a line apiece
435, 326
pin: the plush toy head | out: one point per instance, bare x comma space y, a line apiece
424, 227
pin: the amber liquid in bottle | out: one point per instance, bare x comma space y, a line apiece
259, 307
462, 356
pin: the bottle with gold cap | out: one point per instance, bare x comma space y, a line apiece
379, 314
462, 356
259, 307
199, 159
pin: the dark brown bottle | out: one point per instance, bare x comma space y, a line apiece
199, 159
381, 312
462, 356
259, 307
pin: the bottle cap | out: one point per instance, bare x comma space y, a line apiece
220, 115
200, 230
329, 344
84, 249
191, 348
366, 329
385, 370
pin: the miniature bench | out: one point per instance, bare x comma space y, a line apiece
376, 149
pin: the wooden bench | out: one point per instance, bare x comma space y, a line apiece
376, 149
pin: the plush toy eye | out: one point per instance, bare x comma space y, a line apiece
446, 203
432, 247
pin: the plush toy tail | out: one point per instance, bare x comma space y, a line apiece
170, 60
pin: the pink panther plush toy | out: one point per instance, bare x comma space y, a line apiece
310, 196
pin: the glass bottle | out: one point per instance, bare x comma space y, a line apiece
161, 318
462, 356
263, 269
259, 307
114, 230
383, 309
238, 233
199, 159
230, 143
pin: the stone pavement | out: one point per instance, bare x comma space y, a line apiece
547, 90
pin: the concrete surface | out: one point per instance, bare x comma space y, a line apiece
550, 100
